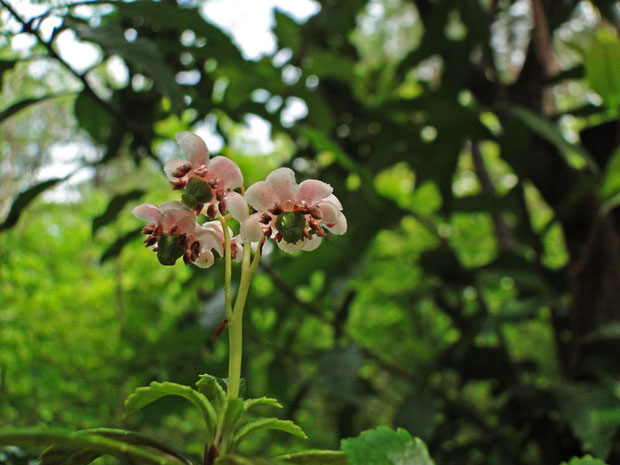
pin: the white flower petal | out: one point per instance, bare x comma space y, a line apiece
312, 191
148, 211
226, 172
290, 247
251, 229
210, 238
330, 212
340, 227
205, 259
283, 182
333, 199
312, 243
194, 148
261, 196
237, 206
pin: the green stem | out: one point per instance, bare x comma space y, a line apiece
235, 324
228, 271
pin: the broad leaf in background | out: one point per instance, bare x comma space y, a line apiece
584, 406
141, 52
22, 104
116, 248
585, 460
115, 206
602, 63
90, 444
24, 199
383, 446
63, 455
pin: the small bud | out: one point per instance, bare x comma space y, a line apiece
149, 229
211, 212
222, 207
265, 219
178, 184
150, 240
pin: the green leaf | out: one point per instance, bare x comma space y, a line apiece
287, 31
548, 131
211, 387
144, 396
232, 415
248, 403
6, 65
383, 446
22, 104
115, 205
585, 460
117, 246
314, 457
24, 199
584, 406
142, 53
262, 424
602, 64
62, 455
92, 117
91, 443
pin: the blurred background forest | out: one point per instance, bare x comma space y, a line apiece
474, 301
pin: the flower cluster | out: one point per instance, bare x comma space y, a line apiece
294, 215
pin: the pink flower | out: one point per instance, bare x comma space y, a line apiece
294, 215
173, 233
208, 183
236, 243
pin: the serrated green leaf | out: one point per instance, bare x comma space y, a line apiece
314, 457
248, 403
62, 455
114, 207
262, 424
117, 246
144, 396
24, 199
86, 442
212, 388
383, 446
585, 460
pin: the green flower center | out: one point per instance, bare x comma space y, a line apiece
197, 191
291, 226
170, 249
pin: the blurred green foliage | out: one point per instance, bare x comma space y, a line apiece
474, 299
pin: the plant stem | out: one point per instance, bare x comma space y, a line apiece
228, 271
235, 323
